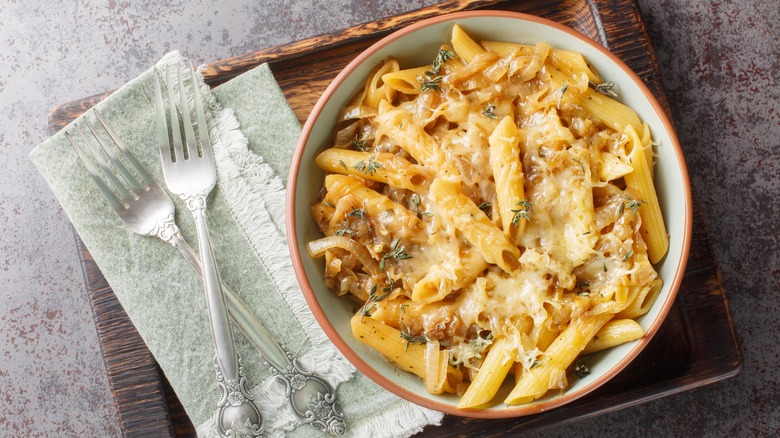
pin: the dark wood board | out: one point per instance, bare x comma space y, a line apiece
695, 346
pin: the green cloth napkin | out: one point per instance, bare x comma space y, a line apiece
254, 132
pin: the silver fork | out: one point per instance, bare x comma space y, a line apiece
191, 174
146, 209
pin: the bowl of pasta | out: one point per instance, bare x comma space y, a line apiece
488, 214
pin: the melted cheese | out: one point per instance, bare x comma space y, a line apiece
580, 250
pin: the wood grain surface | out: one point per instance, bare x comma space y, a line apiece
695, 346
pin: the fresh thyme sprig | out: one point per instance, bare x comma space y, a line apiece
633, 204
359, 144
398, 252
604, 88
482, 342
358, 213
430, 84
373, 298
406, 334
441, 58
581, 370
416, 202
489, 112
524, 212
369, 168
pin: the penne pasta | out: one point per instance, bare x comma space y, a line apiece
551, 371
641, 180
491, 374
615, 332
405, 81
459, 211
508, 174
491, 213
466, 48
381, 167
611, 112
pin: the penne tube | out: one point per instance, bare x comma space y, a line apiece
462, 213
643, 300
374, 204
406, 81
399, 126
551, 371
652, 228
409, 353
381, 167
448, 276
465, 47
647, 146
408, 356
376, 89
491, 374
508, 173
611, 112
615, 332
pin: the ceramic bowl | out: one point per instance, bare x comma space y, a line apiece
414, 46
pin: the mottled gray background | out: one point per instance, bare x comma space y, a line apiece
719, 62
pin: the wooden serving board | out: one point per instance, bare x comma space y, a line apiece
695, 346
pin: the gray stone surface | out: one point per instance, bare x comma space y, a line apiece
719, 61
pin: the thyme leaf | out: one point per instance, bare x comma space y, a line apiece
582, 166
406, 334
359, 144
430, 84
373, 298
634, 204
441, 58
524, 212
604, 88
358, 213
627, 256
481, 342
581, 370
416, 202
489, 112
398, 252
369, 168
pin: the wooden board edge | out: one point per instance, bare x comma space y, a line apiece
133, 375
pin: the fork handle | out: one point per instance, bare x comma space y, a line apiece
245, 320
227, 358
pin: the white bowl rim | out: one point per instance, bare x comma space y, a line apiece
362, 365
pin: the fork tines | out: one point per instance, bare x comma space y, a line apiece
179, 106
99, 157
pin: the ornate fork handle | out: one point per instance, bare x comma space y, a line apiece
238, 416
311, 398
